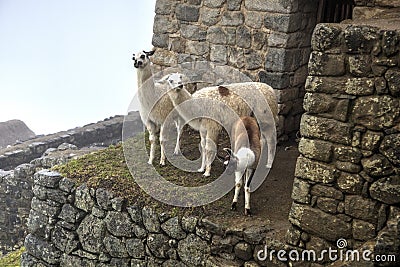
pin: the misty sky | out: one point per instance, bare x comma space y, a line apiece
67, 63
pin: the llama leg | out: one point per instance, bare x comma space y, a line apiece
163, 140
270, 149
249, 176
151, 127
179, 127
211, 149
203, 135
238, 185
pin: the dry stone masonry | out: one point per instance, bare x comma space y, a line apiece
347, 181
267, 40
81, 226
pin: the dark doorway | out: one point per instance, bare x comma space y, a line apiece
334, 11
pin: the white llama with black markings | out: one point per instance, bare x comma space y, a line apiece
155, 105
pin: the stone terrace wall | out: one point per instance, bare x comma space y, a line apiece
366, 9
80, 226
267, 40
347, 181
107, 132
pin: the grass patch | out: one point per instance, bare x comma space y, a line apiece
108, 169
13, 258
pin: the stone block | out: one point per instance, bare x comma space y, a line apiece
234, 5
165, 58
347, 166
197, 48
232, 19
47, 178
173, 228
64, 240
214, 3
115, 247
135, 248
70, 214
377, 166
319, 223
363, 230
361, 39
375, 112
83, 199
347, 153
328, 205
158, 245
243, 251
216, 35
243, 37
315, 171
315, 103
301, 191
280, 22
360, 86
119, 224
209, 16
350, 183
253, 60
360, 65
326, 37
150, 220
389, 148
325, 129
316, 149
274, 79
187, 13
254, 19
390, 40
283, 60
165, 7
193, 32
193, 250
329, 85
323, 64
47, 207
371, 140
219, 54
91, 232
42, 249
279, 6
393, 78
163, 24
386, 190
326, 191
361, 208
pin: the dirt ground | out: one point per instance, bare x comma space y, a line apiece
271, 202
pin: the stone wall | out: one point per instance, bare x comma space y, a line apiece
267, 40
16, 185
79, 226
347, 181
103, 133
366, 9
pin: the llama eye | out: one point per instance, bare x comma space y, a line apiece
142, 56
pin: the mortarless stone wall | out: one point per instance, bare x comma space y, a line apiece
267, 40
347, 181
79, 226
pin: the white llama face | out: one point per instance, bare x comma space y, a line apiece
142, 59
175, 81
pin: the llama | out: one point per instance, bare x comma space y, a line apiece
155, 105
244, 157
207, 99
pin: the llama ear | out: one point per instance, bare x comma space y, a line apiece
133, 58
150, 53
221, 158
229, 151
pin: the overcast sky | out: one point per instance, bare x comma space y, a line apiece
67, 63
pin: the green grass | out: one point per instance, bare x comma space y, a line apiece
12, 259
108, 169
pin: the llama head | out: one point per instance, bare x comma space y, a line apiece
142, 59
174, 81
230, 161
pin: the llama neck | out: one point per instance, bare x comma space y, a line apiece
143, 74
185, 111
246, 158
